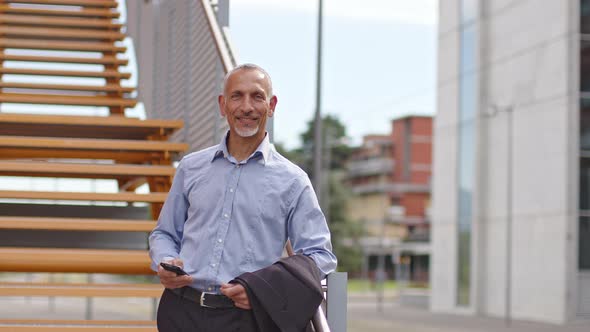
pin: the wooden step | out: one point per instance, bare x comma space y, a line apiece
80, 23
105, 60
69, 73
79, 170
109, 127
73, 12
14, 259
44, 325
123, 151
78, 196
114, 88
76, 224
85, 144
23, 98
80, 290
81, 3
59, 33
35, 44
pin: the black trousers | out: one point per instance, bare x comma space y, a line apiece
176, 314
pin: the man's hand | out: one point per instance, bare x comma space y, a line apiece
170, 279
238, 294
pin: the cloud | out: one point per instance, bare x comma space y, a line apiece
403, 11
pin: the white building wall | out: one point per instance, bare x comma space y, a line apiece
180, 71
444, 175
525, 64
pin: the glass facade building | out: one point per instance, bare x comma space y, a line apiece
468, 98
584, 204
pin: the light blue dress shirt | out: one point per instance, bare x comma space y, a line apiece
223, 217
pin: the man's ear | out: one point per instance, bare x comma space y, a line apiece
273, 104
221, 102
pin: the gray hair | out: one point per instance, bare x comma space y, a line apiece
248, 66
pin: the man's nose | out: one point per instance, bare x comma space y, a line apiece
247, 105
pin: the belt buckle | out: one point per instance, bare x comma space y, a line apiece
202, 300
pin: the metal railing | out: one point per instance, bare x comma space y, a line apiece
222, 43
371, 167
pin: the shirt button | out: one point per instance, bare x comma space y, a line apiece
212, 264
225, 215
210, 288
219, 240
231, 190
237, 166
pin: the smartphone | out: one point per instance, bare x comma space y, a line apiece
173, 268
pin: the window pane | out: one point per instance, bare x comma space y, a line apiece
469, 10
585, 16
585, 184
585, 65
468, 108
585, 126
584, 244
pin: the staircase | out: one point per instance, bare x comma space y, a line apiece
130, 151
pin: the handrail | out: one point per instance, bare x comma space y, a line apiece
319, 322
222, 43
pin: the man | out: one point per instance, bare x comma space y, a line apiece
230, 210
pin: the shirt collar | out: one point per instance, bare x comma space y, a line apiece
263, 149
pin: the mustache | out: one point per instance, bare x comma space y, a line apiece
247, 117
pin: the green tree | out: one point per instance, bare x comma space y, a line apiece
345, 233
334, 141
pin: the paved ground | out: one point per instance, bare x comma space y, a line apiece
363, 314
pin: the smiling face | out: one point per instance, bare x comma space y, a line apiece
246, 103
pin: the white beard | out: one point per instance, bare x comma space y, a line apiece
247, 132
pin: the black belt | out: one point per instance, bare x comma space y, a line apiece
204, 299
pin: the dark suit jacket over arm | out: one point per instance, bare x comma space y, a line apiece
285, 295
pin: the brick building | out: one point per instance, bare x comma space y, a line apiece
390, 177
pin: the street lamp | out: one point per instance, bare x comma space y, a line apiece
317, 142
509, 110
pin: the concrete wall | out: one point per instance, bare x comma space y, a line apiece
529, 72
444, 178
368, 207
526, 64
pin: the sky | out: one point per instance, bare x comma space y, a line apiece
379, 60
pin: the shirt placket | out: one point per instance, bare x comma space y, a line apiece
225, 219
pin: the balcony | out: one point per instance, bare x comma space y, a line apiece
368, 167
396, 213
385, 187
418, 235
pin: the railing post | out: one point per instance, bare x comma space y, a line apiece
337, 301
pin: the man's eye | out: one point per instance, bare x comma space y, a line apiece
235, 97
